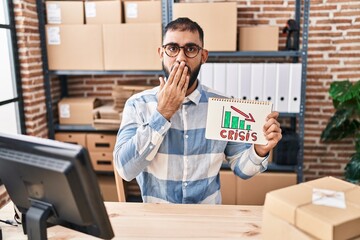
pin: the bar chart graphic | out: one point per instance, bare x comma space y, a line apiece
232, 120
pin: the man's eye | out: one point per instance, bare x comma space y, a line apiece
191, 49
172, 48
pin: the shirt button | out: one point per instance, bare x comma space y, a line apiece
186, 136
185, 184
162, 127
185, 112
151, 147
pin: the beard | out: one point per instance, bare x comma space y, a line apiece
193, 73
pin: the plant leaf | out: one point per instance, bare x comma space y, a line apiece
339, 129
352, 169
342, 91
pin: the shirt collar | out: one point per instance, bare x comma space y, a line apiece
195, 95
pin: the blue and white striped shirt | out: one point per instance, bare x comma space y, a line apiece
172, 161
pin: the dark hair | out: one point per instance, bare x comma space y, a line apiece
185, 24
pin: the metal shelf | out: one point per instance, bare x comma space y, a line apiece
80, 128
104, 72
256, 54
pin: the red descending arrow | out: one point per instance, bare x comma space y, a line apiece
249, 117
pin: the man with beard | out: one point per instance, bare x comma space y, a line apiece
161, 140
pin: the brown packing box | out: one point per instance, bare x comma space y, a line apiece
218, 20
121, 93
259, 38
106, 117
125, 48
77, 110
102, 161
142, 11
97, 142
228, 187
103, 12
294, 206
64, 12
107, 187
69, 137
74, 47
253, 191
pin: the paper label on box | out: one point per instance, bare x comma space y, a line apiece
90, 9
64, 110
132, 10
328, 198
53, 13
53, 34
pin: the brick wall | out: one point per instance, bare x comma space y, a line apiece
334, 54
31, 67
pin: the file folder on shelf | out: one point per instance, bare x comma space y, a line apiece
257, 79
206, 75
295, 88
282, 87
232, 80
244, 81
220, 77
269, 83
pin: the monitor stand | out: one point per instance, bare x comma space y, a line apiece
35, 224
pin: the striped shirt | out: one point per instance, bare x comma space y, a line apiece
171, 160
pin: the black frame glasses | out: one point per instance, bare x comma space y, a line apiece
190, 50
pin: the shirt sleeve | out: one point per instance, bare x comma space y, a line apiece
244, 161
138, 140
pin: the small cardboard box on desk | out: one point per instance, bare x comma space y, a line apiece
326, 208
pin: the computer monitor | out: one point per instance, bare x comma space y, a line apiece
52, 183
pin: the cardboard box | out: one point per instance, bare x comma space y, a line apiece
97, 142
103, 12
228, 187
70, 137
126, 49
295, 206
218, 20
142, 12
77, 110
102, 161
64, 12
259, 38
253, 191
74, 47
107, 187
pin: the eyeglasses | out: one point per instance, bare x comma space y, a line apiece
190, 50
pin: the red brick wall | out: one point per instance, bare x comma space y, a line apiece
334, 54
31, 67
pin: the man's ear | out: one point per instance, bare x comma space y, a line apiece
204, 56
160, 52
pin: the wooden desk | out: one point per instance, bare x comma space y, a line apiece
167, 221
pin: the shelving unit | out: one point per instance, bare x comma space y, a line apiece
167, 8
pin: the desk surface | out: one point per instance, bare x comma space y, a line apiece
167, 221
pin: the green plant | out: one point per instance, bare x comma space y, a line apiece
346, 122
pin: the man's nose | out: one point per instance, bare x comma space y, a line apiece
181, 56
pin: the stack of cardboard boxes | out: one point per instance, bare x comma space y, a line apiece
326, 208
125, 35
92, 35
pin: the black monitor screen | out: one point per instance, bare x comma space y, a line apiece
52, 183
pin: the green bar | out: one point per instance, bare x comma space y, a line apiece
248, 127
242, 124
235, 122
227, 119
